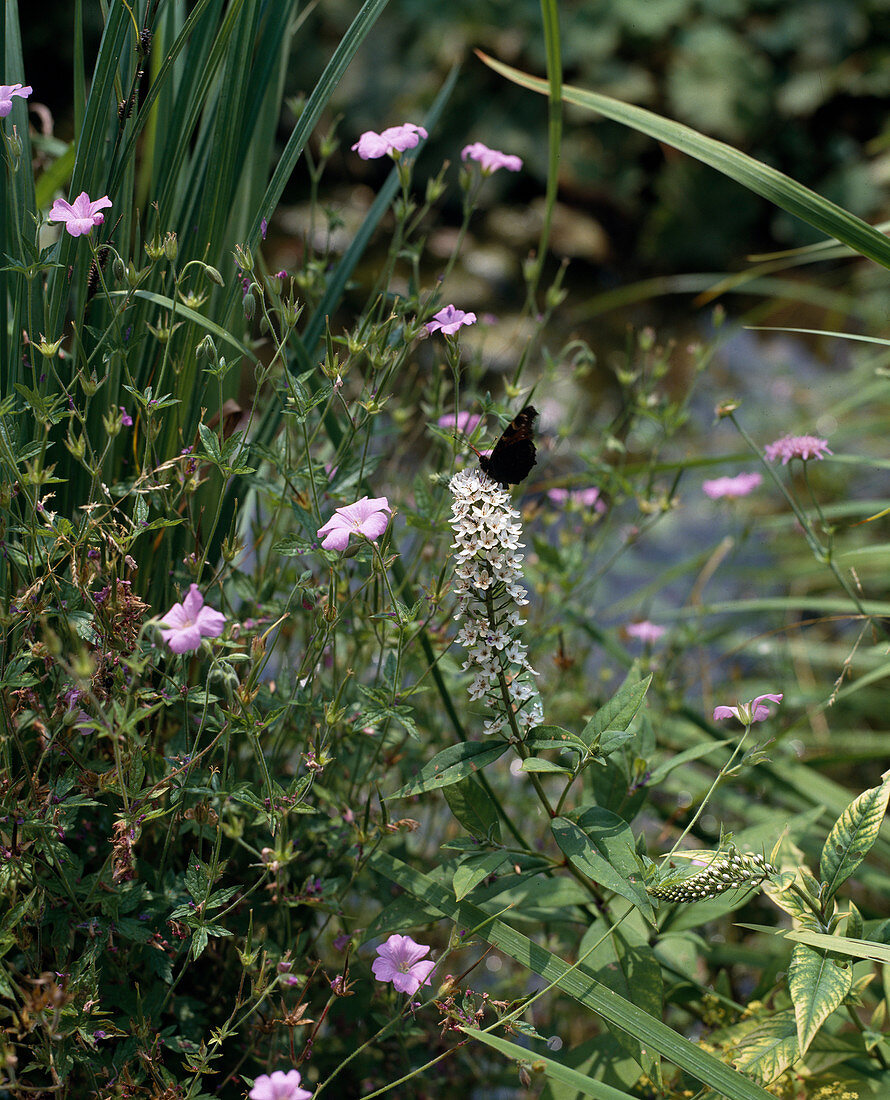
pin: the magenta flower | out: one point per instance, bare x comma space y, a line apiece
7, 91
731, 487
81, 215
126, 419
797, 446
367, 517
460, 422
186, 623
490, 159
747, 713
400, 961
449, 319
391, 142
644, 631
279, 1086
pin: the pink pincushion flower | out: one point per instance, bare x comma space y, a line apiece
7, 91
449, 319
797, 446
490, 160
186, 623
279, 1086
645, 631
747, 713
392, 142
400, 961
460, 422
367, 517
81, 215
731, 487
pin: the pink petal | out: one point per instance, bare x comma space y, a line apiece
725, 712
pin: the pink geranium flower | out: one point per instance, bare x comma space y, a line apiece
449, 319
731, 487
747, 713
186, 623
81, 215
7, 91
400, 961
490, 159
391, 142
797, 446
367, 517
460, 422
279, 1086
644, 631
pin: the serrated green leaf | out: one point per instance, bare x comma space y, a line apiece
452, 765
852, 836
474, 869
474, 808
818, 983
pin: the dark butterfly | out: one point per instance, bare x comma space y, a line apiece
514, 453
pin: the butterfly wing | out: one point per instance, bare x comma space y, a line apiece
514, 453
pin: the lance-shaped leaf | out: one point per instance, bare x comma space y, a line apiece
852, 836
616, 715
451, 765
818, 983
474, 869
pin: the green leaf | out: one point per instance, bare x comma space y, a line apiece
579, 985
591, 847
770, 1049
618, 713
852, 836
536, 764
818, 984
771, 184
452, 765
693, 753
554, 737
474, 808
474, 869
555, 1071
400, 915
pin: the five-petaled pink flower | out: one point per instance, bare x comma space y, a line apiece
367, 517
449, 319
490, 159
400, 961
81, 215
279, 1086
645, 631
747, 713
392, 142
465, 422
186, 623
7, 91
731, 487
797, 446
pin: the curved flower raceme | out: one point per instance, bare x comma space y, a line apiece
368, 516
449, 319
186, 623
487, 582
279, 1086
7, 91
747, 713
797, 446
400, 961
490, 160
391, 142
80, 216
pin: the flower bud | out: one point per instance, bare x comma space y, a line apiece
244, 257
171, 246
213, 275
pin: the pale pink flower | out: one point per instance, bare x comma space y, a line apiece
81, 215
7, 91
645, 631
186, 623
797, 446
460, 422
400, 961
586, 498
490, 159
731, 487
449, 319
367, 517
747, 713
391, 142
279, 1086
